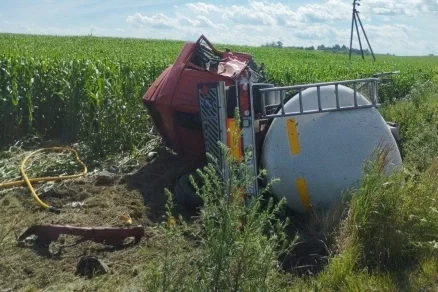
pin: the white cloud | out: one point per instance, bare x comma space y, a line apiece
331, 10
199, 21
183, 20
258, 22
410, 8
316, 32
270, 19
203, 21
203, 7
52, 30
162, 21
394, 26
275, 13
158, 20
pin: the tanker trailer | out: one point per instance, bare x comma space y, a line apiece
313, 137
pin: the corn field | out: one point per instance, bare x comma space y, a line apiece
87, 89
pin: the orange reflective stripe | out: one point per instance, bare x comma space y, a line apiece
232, 138
303, 193
293, 136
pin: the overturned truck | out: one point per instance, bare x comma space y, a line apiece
313, 137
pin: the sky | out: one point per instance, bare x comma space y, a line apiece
401, 27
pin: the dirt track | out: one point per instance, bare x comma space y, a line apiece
139, 195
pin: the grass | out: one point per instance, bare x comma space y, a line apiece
230, 246
388, 239
383, 237
29, 268
417, 115
388, 242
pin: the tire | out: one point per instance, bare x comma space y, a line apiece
185, 194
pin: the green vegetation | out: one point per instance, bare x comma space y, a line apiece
388, 240
230, 247
417, 116
87, 89
384, 237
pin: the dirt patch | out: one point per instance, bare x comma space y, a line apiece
152, 179
139, 195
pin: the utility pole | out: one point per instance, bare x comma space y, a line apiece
355, 17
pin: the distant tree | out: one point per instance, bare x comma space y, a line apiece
277, 44
336, 48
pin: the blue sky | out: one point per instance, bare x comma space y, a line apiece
402, 27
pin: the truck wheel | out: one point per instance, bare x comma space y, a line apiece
185, 194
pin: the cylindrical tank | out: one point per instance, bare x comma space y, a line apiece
318, 156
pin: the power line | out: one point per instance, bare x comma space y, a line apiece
355, 17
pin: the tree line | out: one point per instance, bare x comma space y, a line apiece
335, 48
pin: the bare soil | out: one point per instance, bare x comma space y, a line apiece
139, 195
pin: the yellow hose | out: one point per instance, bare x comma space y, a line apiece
28, 181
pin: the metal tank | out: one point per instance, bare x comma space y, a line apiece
320, 155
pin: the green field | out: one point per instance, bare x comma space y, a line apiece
87, 92
90, 89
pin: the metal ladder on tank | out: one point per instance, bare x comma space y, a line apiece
298, 89
214, 115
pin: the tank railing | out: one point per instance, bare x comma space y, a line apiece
282, 94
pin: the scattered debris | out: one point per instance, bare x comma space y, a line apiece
140, 197
77, 204
105, 235
126, 219
105, 178
91, 266
152, 155
113, 169
30, 239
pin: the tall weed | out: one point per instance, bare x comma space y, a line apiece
393, 219
417, 116
234, 245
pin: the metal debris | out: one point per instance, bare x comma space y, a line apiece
105, 178
106, 235
152, 155
91, 266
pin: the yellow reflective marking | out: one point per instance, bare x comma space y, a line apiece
303, 193
233, 140
293, 136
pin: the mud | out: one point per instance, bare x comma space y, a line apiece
139, 195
